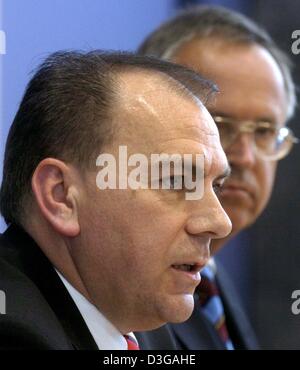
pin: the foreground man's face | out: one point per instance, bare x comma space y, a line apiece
130, 240
251, 88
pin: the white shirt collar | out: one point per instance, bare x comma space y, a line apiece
212, 264
106, 336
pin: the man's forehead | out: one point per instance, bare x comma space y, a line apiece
144, 89
148, 102
235, 67
153, 118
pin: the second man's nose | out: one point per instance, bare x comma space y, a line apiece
242, 151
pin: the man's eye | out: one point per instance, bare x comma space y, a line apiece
217, 188
263, 131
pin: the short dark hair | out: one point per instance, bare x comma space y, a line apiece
63, 111
216, 21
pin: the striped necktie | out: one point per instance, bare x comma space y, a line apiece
132, 344
211, 304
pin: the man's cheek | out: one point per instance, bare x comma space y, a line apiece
269, 178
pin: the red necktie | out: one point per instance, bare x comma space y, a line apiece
131, 343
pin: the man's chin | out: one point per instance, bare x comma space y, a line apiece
172, 309
179, 309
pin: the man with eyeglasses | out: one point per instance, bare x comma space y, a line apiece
256, 99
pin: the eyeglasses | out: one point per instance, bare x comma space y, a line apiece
271, 143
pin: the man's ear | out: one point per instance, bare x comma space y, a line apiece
55, 190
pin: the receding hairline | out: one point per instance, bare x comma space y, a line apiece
216, 37
224, 41
156, 81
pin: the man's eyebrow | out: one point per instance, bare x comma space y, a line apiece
224, 175
267, 118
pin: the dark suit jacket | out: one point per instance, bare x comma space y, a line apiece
198, 333
40, 314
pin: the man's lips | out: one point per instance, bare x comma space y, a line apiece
190, 269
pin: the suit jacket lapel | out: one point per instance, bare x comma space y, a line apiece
197, 333
33, 263
240, 330
158, 339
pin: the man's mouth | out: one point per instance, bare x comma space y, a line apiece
187, 273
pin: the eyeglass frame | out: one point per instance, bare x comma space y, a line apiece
249, 126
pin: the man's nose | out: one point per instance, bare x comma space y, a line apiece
242, 151
208, 218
